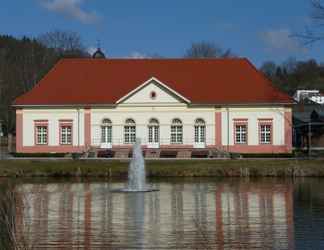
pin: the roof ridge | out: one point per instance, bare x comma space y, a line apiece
154, 59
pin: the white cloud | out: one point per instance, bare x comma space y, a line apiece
71, 9
281, 40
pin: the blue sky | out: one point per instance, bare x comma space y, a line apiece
257, 29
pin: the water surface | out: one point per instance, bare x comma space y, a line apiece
184, 214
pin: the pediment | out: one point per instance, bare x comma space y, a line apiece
153, 91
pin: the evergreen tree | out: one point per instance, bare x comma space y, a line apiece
23, 62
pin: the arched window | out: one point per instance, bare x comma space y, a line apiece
176, 131
129, 131
153, 131
106, 131
200, 131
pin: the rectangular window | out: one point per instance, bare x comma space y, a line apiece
150, 136
265, 134
240, 133
41, 136
156, 138
106, 134
265, 131
176, 134
153, 134
66, 133
129, 134
200, 134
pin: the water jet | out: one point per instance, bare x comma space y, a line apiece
136, 172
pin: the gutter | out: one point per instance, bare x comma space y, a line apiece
62, 105
115, 105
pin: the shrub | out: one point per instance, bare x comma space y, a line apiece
106, 154
56, 155
278, 155
76, 156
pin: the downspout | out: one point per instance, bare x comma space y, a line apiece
78, 109
228, 125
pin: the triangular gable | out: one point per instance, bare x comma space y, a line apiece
143, 93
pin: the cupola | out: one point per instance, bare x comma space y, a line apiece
98, 54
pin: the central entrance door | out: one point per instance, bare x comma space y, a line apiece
154, 134
200, 133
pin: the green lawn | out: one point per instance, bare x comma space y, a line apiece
162, 168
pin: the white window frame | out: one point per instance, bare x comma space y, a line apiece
265, 133
106, 132
176, 135
200, 132
129, 131
241, 133
153, 133
66, 133
41, 136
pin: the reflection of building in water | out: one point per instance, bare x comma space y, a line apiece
181, 215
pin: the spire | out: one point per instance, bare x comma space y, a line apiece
98, 43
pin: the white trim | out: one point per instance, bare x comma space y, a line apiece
153, 79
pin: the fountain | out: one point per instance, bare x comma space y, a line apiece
136, 172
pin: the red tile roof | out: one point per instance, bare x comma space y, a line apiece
104, 81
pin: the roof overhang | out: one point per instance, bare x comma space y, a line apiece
115, 105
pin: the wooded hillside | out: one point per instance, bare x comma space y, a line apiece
23, 62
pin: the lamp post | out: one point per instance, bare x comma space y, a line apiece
309, 139
1, 135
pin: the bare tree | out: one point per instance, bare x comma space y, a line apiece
269, 68
207, 50
314, 33
62, 41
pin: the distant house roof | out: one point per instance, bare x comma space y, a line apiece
303, 111
201, 81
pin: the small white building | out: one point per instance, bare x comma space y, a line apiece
171, 104
313, 95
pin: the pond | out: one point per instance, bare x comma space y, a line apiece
184, 214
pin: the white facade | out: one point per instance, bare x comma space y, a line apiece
164, 115
143, 95
142, 116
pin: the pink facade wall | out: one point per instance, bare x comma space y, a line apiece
261, 149
52, 149
19, 130
218, 129
288, 130
87, 127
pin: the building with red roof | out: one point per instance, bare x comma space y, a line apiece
194, 105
